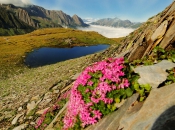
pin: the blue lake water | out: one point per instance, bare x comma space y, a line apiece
46, 55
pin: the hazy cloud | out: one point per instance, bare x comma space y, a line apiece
90, 20
109, 32
16, 2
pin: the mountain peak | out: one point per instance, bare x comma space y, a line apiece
78, 20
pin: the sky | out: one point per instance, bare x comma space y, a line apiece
134, 10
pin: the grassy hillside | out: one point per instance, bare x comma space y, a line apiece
13, 49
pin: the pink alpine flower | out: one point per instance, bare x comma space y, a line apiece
110, 77
90, 83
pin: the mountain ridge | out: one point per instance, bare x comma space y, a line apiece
116, 22
39, 17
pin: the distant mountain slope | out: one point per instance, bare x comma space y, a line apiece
116, 22
19, 20
10, 24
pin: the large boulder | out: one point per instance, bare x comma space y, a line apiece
156, 72
157, 112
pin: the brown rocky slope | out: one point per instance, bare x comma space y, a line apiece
157, 31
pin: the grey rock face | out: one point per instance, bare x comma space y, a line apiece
32, 105
16, 119
78, 21
157, 112
154, 74
21, 127
24, 16
160, 31
165, 65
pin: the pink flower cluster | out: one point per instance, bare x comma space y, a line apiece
107, 70
41, 119
64, 96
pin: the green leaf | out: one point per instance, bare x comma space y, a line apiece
100, 75
124, 96
141, 92
81, 88
129, 92
146, 86
134, 79
48, 118
117, 99
155, 50
108, 81
102, 103
168, 82
110, 94
163, 56
171, 77
122, 92
142, 99
109, 106
87, 100
136, 86
173, 57
113, 108
97, 75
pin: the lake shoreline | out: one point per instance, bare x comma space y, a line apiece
47, 55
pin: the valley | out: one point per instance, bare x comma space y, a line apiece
13, 49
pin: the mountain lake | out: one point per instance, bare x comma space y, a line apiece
45, 55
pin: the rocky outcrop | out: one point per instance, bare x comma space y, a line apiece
116, 22
64, 18
78, 20
156, 72
156, 113
24, 16
157, 31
